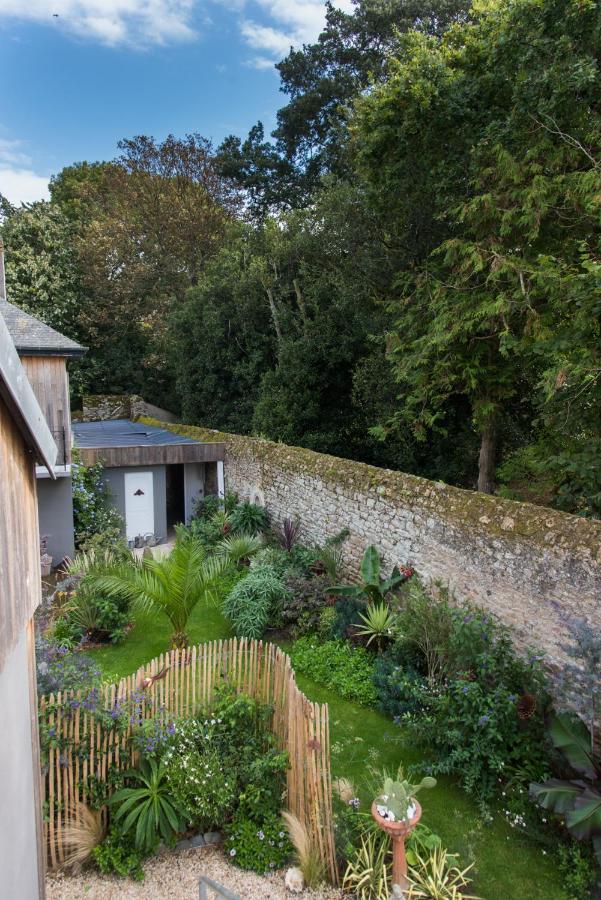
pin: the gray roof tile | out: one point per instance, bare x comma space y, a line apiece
32, 337
123, 433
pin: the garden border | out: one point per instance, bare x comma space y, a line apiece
78, 746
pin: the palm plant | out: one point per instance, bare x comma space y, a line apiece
239, 548
172, 585
379, 622
148, 807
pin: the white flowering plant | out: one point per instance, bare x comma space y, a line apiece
263, 845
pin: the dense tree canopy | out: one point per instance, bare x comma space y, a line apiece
408, 274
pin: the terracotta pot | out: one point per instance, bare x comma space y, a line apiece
398, 831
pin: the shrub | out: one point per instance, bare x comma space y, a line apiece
255, 601
401, 691
337, 665
250, 518
261, 845
59, 669
348, 613
200, 782
118, 854
303, 604
93, 513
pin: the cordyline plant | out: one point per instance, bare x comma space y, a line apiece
287, 533
372, 585
579, 686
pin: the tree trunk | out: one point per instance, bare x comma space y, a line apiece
486, 461
274, 314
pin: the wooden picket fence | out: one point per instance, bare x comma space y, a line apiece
81, 751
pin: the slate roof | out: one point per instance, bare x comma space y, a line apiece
123, 433
32, 337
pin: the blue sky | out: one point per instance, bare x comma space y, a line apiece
78, 75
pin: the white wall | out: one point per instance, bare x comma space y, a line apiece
18, 854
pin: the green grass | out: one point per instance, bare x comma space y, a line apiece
506, 864
150, 637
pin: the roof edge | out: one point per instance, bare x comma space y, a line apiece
18, 395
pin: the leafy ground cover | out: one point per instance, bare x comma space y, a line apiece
507, 865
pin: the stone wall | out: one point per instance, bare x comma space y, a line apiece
102, 407
518, 560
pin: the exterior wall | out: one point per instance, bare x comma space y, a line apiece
49, 379
527, 564
19, 869
194, 486
115, 481
55, 510
21, 866
100, 407
20, 591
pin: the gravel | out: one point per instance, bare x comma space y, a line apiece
175, 875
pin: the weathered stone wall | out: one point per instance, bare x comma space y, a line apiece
102, 407
516, 559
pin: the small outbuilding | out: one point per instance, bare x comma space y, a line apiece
155, 476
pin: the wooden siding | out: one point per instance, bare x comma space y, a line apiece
20, 593
152, 454
49, 379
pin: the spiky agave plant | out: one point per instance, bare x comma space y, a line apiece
307, 854
84, 831
171, 586
379, 623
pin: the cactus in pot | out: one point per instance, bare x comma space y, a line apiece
396, 802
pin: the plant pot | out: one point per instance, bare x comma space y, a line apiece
398, 831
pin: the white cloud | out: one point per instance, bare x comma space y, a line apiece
23, 185
290, 23
18, 182
109, 22
260, 62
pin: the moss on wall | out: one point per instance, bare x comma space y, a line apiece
468, 510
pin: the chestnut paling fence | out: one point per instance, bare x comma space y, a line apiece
81, 748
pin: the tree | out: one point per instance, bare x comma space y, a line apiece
322, 80
505, 125
145, 226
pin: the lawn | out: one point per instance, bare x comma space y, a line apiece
507, 865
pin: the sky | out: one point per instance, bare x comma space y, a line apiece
79, 75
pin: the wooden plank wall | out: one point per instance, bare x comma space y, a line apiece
79, 748
152, 454
49, 379
20, 582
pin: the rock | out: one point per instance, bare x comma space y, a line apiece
294, 881
197, 841
183, 845
212, 837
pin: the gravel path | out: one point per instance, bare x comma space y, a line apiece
175, 875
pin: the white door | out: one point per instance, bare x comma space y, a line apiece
139, 504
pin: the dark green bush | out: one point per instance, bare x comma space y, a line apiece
337, 665
255, 602
249, 518
117, 854
302, 607
261, 845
